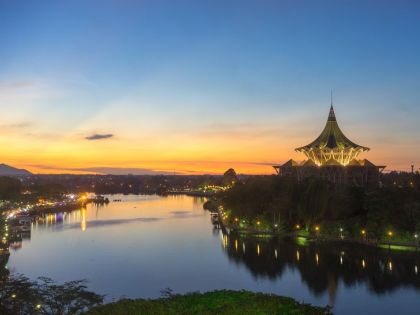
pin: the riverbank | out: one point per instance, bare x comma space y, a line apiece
192, 193
216, 302
219, 217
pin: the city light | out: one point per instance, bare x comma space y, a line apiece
297, 226
390, 233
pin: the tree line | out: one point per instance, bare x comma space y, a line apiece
288, 203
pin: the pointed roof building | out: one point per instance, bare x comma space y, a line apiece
333, 157
332, 145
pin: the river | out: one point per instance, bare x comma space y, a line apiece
144, 244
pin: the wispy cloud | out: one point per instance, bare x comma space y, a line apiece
18, 85
15, 126
104, 170
98, 136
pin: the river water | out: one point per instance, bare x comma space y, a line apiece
144, 244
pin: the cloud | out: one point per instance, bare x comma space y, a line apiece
104, 170
123, 171
14, 126
98, 136
18, 85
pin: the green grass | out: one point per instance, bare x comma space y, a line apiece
301, 241
399, 247
216, 302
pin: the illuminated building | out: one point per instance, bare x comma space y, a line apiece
333, 157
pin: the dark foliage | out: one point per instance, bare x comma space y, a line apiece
281, 200
20, 295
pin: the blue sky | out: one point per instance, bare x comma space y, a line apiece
198, 85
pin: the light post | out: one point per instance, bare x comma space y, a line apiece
416, 236
341, 233
363, 234
317, 231
390, 236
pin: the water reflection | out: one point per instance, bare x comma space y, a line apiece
83, 221
323, 266
145, 243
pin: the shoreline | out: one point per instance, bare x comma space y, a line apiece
396, 246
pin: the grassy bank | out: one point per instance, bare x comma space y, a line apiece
216, 302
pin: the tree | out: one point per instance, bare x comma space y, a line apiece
20, 295
229, 178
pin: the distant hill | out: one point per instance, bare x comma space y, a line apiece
6, 170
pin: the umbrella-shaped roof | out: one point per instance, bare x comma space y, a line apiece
332, 137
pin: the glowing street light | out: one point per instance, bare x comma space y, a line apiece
389, 244
317, 228
363, 232
297, 226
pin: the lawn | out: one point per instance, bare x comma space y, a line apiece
216, 302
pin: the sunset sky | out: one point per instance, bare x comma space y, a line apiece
200, 86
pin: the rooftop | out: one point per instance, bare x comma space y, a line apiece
332, 144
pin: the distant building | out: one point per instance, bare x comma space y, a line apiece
333, 157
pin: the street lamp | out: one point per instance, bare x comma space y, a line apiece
416, 236
390, 235
317, 230
341, 233
363, 234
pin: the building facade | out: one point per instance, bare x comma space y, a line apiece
333, 157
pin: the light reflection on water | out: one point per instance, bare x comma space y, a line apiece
144, 244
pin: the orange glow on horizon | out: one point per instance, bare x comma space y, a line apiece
248, 152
